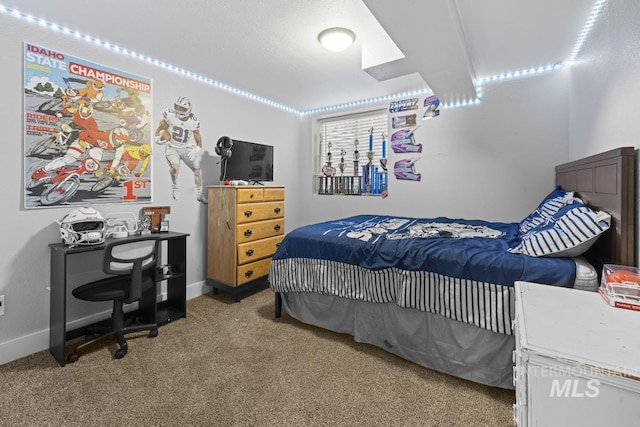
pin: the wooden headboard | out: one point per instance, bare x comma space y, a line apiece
606, 182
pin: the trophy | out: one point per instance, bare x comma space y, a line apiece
369, 168
383, 164
356, 157
327, 169
383, 160
342, 164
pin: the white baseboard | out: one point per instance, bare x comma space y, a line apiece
38, 341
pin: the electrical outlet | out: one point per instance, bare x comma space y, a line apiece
1, 305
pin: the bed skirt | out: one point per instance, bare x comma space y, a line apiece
430, 340
484, 305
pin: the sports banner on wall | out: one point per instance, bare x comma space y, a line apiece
87, 137
403, 105
432, 107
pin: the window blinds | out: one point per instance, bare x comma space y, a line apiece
342, 132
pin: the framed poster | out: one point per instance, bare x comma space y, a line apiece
87, 137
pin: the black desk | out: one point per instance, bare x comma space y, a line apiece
174, 307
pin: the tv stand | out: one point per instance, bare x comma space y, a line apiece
257, 183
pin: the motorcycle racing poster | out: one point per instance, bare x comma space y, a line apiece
87, 137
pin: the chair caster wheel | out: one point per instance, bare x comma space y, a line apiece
73, 357
120, 353
153, 333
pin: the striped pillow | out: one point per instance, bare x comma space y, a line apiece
569, 233
546, 209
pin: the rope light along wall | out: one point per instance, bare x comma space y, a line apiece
588, 27
368, 101
141, 57
596, 12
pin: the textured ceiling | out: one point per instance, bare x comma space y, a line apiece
270, 48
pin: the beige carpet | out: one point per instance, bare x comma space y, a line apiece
235, 365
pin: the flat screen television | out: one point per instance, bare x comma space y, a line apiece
249, 161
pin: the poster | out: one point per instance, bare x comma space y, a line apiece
403, 141
403, 105
403, 121
405, 170
87, 137
432, 107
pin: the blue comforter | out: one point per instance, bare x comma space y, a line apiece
467, 249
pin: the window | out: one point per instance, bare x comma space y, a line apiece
338, 136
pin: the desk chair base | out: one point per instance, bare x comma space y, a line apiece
118, 329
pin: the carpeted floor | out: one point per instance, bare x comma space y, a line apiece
232, 364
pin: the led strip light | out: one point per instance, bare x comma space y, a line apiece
586, 31
588, 27
186, 73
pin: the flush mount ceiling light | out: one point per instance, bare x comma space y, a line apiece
336, 39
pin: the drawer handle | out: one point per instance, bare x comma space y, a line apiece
277, 227
248, 273
249, 252
248, 213
251, 196
247, 233
277, 210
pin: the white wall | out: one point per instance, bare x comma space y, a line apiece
605, 83
492, 161
605, 88
26, 233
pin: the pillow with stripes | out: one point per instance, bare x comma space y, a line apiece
546, 209
570, 232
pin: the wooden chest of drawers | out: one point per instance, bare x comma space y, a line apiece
245, 226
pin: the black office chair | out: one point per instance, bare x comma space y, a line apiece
132, 265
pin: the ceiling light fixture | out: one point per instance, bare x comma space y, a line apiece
336, 39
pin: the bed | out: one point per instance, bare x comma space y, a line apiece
440, 291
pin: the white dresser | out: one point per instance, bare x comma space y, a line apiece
577, 359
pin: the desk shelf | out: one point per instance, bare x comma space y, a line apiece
167, 313
162, 277
149, 309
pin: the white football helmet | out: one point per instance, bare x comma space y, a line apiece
182, 107
82, 226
